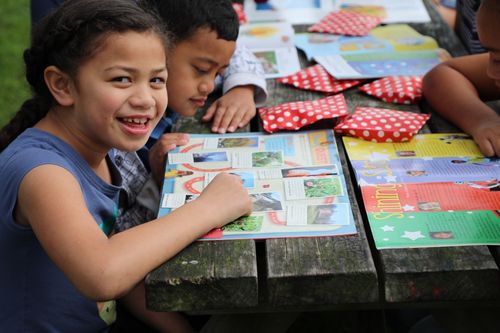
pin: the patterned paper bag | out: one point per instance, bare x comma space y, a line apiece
294, 115
316, 78
395, 89
346, 23
382, 125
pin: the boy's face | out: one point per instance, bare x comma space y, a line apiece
193, 65
488, 27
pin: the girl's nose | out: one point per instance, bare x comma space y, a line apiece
142, 98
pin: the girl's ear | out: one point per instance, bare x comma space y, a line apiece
59, 84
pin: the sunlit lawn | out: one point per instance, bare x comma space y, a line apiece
14, 38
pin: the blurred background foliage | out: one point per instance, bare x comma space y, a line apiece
14, 39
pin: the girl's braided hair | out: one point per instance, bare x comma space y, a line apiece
67, 38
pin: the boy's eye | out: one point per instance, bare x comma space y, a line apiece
200, 70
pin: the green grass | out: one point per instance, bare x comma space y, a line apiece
14, 38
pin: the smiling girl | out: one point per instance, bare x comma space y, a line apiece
98, 72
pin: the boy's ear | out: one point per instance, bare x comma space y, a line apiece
59, 84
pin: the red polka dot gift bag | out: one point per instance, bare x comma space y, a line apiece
346, 23
238, 8
382, 125
316, 78
395, 89
294, 115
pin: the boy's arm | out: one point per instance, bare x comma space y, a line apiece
457, 90
142, 188
141, 192
243, 87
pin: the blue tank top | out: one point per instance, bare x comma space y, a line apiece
35, 295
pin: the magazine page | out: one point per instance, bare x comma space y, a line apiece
291, 11
295, 181
273, 44
397, 11
436, 190
382, 64
389, 38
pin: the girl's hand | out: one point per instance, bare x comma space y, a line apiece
158, 153
226, 197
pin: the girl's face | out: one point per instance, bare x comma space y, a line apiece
488, 27
120, 93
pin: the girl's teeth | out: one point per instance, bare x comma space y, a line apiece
135, 120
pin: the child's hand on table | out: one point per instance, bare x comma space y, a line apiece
487, 136
233, 110
226, 190
158, 153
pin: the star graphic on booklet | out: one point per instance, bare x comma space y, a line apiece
413, 235
408, 208
379, 157
390, 179
386, 228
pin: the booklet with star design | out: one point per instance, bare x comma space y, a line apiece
295, 181
436, 190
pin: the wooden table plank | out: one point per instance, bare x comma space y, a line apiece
204, 276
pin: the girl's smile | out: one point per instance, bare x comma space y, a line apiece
120, 93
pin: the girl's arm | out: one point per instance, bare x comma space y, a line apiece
457, 90
51, 202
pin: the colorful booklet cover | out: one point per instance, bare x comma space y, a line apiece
295, 181
436, 190
389, 38
291, 11
381, 64
272, 43
396, 11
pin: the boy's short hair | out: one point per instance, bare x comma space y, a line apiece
185, 17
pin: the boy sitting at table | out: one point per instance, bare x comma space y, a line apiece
458, 88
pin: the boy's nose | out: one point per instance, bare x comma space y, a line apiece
206, 87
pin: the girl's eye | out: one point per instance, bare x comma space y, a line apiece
158, 80
122, 79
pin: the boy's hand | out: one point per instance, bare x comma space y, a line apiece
158, 153
487, 137
233, 110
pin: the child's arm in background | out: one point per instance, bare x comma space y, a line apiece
243, 87
457, 90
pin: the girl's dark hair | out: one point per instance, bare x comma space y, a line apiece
185, 17
67, 38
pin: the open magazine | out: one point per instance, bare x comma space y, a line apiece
273, 44
381, 64
311, 11
295, 181
436, 190
391, 50
388, 38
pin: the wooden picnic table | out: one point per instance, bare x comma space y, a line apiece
341, 272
